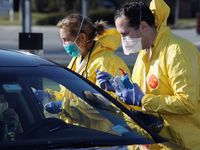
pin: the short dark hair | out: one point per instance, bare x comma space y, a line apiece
136, 12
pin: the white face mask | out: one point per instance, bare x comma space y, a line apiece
131, 45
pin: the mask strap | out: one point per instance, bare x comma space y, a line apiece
81, 25
80, 28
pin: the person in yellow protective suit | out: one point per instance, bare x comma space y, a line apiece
92, 47
167, 70
96, 46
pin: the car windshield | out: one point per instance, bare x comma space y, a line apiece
84, 105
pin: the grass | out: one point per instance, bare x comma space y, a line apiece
4, 20
185, 23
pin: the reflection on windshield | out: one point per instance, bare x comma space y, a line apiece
90, 110
82, 105
98, 101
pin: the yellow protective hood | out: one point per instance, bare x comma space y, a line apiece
161, 12
110, 39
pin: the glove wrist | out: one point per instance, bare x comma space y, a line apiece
54, 107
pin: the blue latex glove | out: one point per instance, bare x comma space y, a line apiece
41, 95
103, 79
54, 107
131, 96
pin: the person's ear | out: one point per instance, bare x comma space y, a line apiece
83, 37
144, 26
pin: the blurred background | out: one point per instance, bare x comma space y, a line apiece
48, 12
41, 16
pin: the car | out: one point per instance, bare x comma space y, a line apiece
25, 124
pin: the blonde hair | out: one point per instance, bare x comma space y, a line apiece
73, 22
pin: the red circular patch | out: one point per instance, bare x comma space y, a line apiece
153, 81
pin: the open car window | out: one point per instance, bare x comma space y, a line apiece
84, 106
90, 110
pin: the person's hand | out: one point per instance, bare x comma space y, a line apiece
131, 96
54, 107
103, 79
41, 95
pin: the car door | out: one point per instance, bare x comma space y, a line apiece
89, 114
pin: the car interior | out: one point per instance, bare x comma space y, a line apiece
20, 121
88, 112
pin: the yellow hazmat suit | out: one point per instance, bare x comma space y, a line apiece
102, 58
170, 77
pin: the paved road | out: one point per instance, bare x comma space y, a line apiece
53, 49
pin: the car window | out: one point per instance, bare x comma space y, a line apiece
84, 105
90, 110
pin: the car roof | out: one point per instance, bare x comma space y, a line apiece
14, 58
